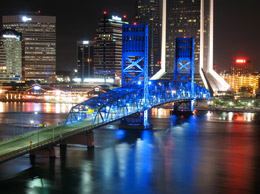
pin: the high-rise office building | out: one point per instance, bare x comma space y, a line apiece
149, 12
85, 59
184, 19
241, 66
39, 44
108, 47
10, 56
190, 18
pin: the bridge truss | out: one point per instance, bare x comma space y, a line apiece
137, 94
125, 101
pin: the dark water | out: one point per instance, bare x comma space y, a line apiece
207, 153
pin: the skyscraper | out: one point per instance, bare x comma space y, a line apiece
39, 44
190, 18
85, 59
10, 56
149, 12
241, 66
108, 47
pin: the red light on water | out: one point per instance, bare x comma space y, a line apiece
240, 61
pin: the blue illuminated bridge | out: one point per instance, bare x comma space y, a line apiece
124, 101
137, 95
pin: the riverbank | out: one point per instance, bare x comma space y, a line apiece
255, 110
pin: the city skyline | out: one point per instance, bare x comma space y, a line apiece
234, 35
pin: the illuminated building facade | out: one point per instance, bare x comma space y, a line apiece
241, 67
191, 18
149, 13
237, 82
85, 59
39, 44
183, 19
10, 56
108, 47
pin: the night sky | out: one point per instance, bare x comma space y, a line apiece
236, 28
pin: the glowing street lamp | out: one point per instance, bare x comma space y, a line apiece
31, 122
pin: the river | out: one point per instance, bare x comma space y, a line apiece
211, 152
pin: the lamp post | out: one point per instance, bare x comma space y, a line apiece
38, 133
31, 122
13, 130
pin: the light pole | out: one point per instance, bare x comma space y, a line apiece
53, 134
14, 131
31, 122
38, 133
22, 124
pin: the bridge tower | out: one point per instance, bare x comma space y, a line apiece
135, 67
184, 72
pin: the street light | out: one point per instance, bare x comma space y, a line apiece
31, 122
38, 133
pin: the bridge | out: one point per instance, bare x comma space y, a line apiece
136, 96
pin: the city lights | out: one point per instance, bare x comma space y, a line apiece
26, 19
36, 87
240, 61
9, 36
85, 42
116, 18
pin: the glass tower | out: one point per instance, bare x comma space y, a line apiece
10, 56
39, 44
149, 12
85, 59
189, 18
108, 47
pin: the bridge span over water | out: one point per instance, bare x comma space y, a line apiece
96, 112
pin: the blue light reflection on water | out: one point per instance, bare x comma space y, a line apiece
120, 133
184, 130
197, 154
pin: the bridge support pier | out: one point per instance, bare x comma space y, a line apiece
46, 152
84, 139
183, 108
135, 122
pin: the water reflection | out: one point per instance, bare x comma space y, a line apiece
21, 117
160, 112
205, 153
231, 116
34, 107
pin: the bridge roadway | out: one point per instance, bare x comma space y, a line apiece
43, 138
